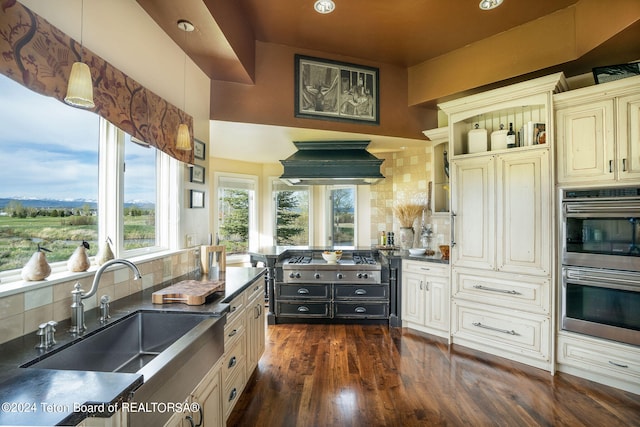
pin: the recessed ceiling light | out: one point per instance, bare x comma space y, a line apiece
324, 6
185, 25
489, 4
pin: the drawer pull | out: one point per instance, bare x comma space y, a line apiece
303, 309
232, 362
502, 291
360, 292
491, 328
361, 310
303, 291
232, 333
619, 365
233, 394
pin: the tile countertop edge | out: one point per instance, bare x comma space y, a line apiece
39, 397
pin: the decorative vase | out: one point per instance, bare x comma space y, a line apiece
406, 237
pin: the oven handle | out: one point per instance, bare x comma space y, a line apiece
602, 208
617, 280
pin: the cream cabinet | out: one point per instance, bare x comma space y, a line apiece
606, 362
502, 227
502, 208
425, 297
598, 133
255, 321
205, 403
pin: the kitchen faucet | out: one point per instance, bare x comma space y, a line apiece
77, 307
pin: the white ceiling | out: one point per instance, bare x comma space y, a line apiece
269, 144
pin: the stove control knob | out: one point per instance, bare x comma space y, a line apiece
292, 275
298, 275
339, 275
365, 276
317, 275
359, 275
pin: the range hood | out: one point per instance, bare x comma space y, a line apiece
331, 163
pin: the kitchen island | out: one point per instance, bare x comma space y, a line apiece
33, 396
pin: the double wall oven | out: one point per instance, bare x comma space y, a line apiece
601, 263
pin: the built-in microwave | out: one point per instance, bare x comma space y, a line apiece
601, 228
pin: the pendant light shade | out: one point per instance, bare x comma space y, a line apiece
80, 87
183, 141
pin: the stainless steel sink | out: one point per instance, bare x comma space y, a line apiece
173, 351
125, 346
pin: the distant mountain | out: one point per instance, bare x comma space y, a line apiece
67, 204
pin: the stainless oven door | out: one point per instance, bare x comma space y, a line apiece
602, 234
601, 303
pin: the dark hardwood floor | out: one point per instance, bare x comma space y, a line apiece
372, 375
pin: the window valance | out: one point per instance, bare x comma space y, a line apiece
39, 56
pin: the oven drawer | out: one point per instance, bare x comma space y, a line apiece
303, 309
369, 310
500, 331
303, 291
526, 293
364, 292
600, 359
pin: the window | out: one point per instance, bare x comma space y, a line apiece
237, 213
139, 194
68, 175
49, 176
342, 215
291, 215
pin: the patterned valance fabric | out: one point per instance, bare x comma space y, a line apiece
39, 56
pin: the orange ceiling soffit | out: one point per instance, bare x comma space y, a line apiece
554, 39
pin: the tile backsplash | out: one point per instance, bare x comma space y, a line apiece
22, 312
407, 175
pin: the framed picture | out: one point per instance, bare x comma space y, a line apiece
196, 199
332, 90
615, 72
199, 149
197, 174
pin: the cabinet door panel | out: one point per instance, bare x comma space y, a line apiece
585, 142
412, 297
437, 315
524, 214
474, 207
629, 137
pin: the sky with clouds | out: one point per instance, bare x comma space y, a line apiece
49, 150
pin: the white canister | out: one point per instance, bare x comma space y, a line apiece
499, 139
477, 140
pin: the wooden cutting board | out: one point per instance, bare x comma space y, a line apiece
190, 292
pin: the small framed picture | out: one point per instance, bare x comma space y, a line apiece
197, 174
196, 199
199, 149
615, 72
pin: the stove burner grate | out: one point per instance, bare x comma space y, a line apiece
361, 259
300, 260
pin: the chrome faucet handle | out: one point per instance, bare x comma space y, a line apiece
104, 308
51, 332
42, 333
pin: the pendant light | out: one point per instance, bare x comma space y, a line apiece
183, 140
80, 86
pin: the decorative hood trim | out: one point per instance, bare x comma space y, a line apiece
330, 163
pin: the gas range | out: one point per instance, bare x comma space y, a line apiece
312, 268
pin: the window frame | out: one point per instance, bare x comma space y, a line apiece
274, 182
254, 226
111, 146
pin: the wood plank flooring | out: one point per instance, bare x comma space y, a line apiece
373, 375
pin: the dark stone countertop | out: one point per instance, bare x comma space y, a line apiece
45, 397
